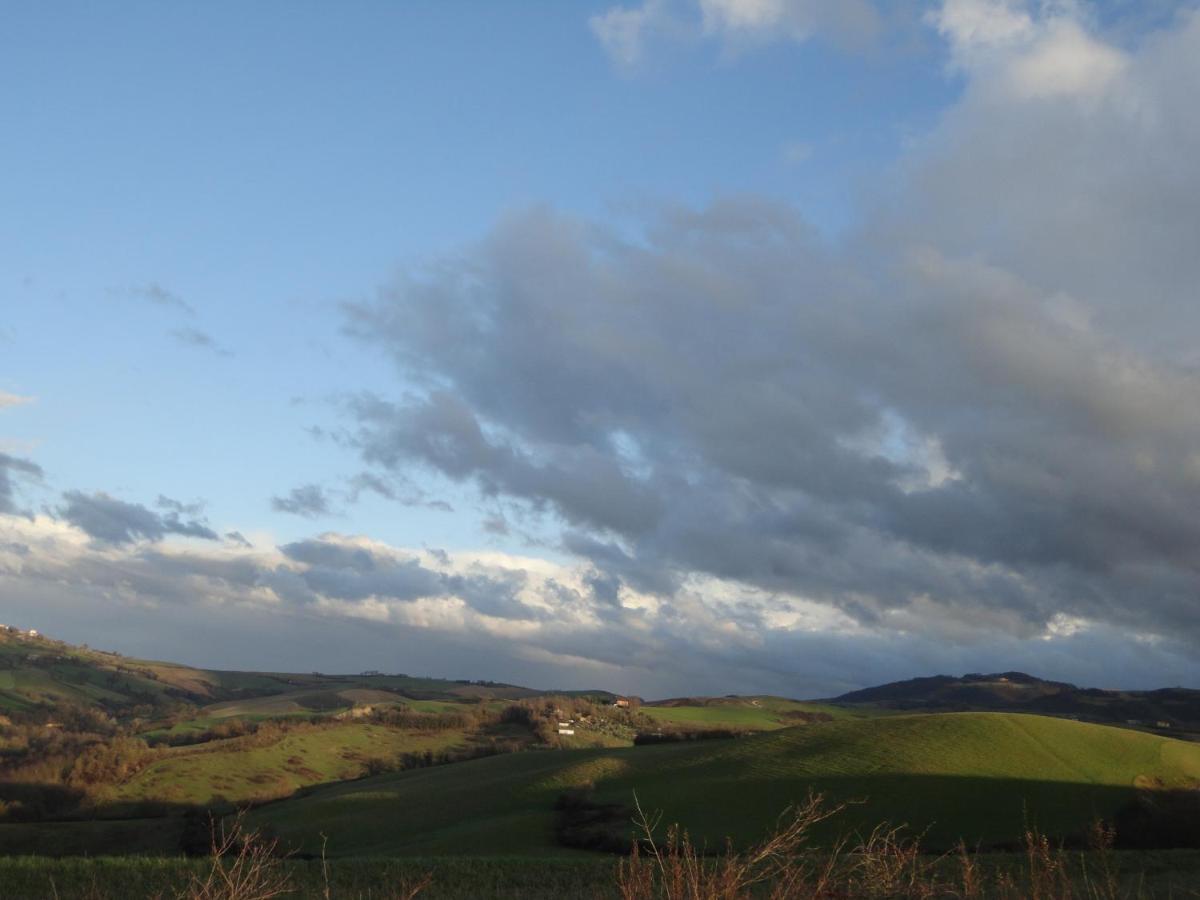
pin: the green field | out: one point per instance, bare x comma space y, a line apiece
978, 776
1163, 874
741, 713
231, 771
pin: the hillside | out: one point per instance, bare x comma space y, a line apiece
978, 776
39, 674
759, 713
1174, 709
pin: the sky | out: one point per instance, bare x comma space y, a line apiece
669, 347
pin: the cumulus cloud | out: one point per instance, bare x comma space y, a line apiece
494, 615
625, 31
109, 520
964, 438
978, 417
1032, 56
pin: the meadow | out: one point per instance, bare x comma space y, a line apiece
979, 777
364, 783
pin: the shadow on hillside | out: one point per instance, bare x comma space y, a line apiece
988, 813
939, 811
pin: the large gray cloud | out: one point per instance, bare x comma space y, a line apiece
114, 521
987, 400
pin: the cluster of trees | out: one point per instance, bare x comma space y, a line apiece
542, 715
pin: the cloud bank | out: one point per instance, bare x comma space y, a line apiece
979, 416
965, 437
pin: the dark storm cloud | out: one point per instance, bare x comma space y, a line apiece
308, 500
112, 521
11, 466
987, 402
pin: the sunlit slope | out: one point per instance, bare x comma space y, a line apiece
238, 771
742, 713
978, 776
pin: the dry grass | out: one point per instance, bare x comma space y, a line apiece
884, 864
243, 866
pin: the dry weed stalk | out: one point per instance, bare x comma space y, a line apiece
677, 870
243, 866
885, 864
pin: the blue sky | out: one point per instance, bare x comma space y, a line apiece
264, 163
205, 209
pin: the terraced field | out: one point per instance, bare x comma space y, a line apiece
977, 776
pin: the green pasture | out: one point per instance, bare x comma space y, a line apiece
237, 771
978, 776
744, 713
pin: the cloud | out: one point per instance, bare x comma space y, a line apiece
1029, 55
236, 537
194, 337
155, 293
308, 500
111, 521
11, 466
622, 31
625, 31
500, 616
8, 400
963, 438
398, 490
977, 418
195, 508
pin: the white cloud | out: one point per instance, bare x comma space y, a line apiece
626, 31
1065, 61
8, 400
1027, 54
623, 31
974, 26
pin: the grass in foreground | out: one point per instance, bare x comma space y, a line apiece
885, 863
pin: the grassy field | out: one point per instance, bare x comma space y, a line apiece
226, 770
1162, 874
743, 713
978, 776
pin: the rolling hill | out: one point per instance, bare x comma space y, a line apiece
976, 776
1175, 709
39, 673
